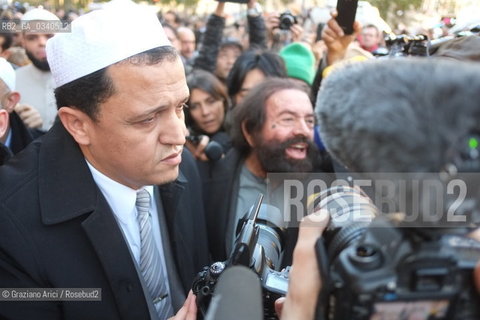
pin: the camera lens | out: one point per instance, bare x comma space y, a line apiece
350, 210
286, 21
271, 234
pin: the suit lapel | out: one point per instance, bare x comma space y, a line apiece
175, 221
176, 289
67, 191
117, 263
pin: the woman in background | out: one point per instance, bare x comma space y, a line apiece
207, 108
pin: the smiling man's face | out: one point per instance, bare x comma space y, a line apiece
285, 142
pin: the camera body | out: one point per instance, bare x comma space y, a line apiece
287, 19
404, 45
258, 246
388, 271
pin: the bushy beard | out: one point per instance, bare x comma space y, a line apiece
40, 64
273, 158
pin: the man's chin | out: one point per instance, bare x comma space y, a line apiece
166, 177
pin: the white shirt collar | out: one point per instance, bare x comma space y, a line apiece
120, 197
8, 141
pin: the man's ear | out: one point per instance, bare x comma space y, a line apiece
77, 123
247, 135
4, 118
11, 101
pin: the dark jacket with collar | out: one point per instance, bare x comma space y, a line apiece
220, 182
57, 230
5, 154
21, 135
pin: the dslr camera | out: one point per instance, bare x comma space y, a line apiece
287, 19
404, 45
258, 246
388, 270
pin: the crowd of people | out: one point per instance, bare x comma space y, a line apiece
105, 181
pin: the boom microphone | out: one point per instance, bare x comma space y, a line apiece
399, 115
237, 296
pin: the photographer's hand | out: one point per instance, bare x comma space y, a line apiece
297, 32
305, 283
29, 115
189, 309
219, 11
336, 40
198, 149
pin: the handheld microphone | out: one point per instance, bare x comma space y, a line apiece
237, 296
213, 150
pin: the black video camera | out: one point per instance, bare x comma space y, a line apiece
384, 270
258, 246
404, 45
287, 19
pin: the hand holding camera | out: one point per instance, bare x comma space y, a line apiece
305, 282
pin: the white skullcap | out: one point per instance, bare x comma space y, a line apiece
7, 74
119, 30
39, 14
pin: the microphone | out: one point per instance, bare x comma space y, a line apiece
399, 115
213, 151
237, 296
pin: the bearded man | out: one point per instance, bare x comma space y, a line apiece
272, 132
35, 81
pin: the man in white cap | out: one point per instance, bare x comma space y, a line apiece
109, 204
17, 135
34, 81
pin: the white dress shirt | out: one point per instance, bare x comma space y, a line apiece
122, 202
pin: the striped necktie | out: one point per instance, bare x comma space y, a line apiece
150, 262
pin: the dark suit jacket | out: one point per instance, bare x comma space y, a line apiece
21, 135
220, 180
57, 230
5, 154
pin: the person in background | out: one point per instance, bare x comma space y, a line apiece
300, 62
171, 18
228, 53
250, 69
207, 107
272, 132
35, 81
370, 38
172, 36
186, 38
17, 135
218, 55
